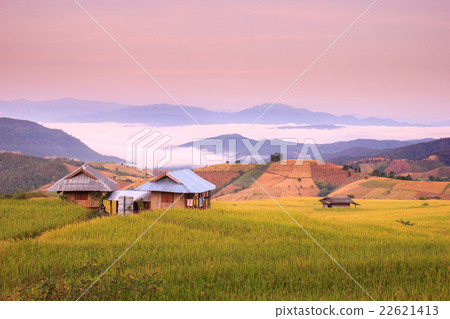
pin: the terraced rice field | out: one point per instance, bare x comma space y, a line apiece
380, 182
125, 170
398, 167
218, 178
385, 188
422, 186
366, 168
226, 168
278, 180
29, 218
247, 250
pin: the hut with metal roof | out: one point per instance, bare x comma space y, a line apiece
331, 202
125, 202
179, 189
85, 186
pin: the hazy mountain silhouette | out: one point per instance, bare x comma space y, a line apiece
358, 147
73, 110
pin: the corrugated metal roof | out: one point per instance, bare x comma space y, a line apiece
145, 195
337, 200
110, 184
84, 178
189, 182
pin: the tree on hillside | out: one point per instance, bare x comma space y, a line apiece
325, 188
23, 173
275, 157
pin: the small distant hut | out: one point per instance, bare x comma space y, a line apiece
338, 202
85, 186
125, 202
179, 189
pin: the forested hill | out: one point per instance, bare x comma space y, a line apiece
440, 148
30, 138
25, 173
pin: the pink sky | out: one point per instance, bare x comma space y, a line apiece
233, 54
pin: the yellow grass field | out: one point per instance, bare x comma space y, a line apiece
248, 250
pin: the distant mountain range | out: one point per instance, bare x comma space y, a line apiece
73, 110
21, 172
30, 138
359, 148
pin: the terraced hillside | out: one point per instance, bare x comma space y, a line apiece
223, 174
386, 188
237, 182
430, 166
127, 177
291, 180
441, 172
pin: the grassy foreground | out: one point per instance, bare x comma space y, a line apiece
238, 251
29, 218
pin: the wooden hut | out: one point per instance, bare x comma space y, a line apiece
179, 189
332, 202
125, 202
85, 186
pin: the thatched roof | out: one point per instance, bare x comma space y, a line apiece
337, 200
84, 178
180, 181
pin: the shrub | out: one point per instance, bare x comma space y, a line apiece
20, 196
406, 223
325, 188
141, 204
